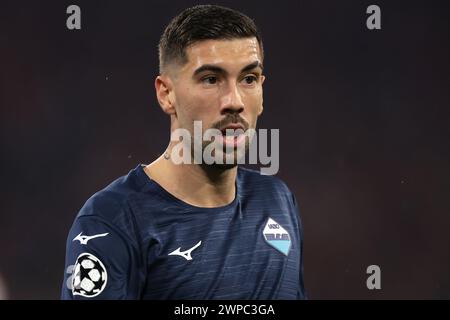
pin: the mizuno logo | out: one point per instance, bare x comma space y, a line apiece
85, 239
185, 254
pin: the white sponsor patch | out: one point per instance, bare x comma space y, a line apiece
276, 236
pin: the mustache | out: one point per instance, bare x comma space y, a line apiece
231, 119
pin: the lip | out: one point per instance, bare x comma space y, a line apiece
233, 141
233, 126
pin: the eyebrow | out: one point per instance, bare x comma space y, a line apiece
216, 69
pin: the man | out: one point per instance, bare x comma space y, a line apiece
194, 230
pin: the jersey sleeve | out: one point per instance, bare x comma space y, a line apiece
301, 292
101, 262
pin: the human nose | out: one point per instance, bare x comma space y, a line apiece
231, 101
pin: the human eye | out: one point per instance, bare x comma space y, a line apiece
250, 79
209, 80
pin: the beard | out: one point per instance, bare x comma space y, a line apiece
225, 149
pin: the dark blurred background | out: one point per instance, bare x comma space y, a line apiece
363, 118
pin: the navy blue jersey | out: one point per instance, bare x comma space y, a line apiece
134, 240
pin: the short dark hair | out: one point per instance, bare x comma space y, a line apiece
203, 22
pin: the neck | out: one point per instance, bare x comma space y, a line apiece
201, 186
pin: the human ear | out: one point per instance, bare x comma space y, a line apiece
165, 94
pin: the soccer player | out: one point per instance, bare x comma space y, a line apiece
194, 231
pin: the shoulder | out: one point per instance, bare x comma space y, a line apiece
253, 180
270, 192
113, 200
